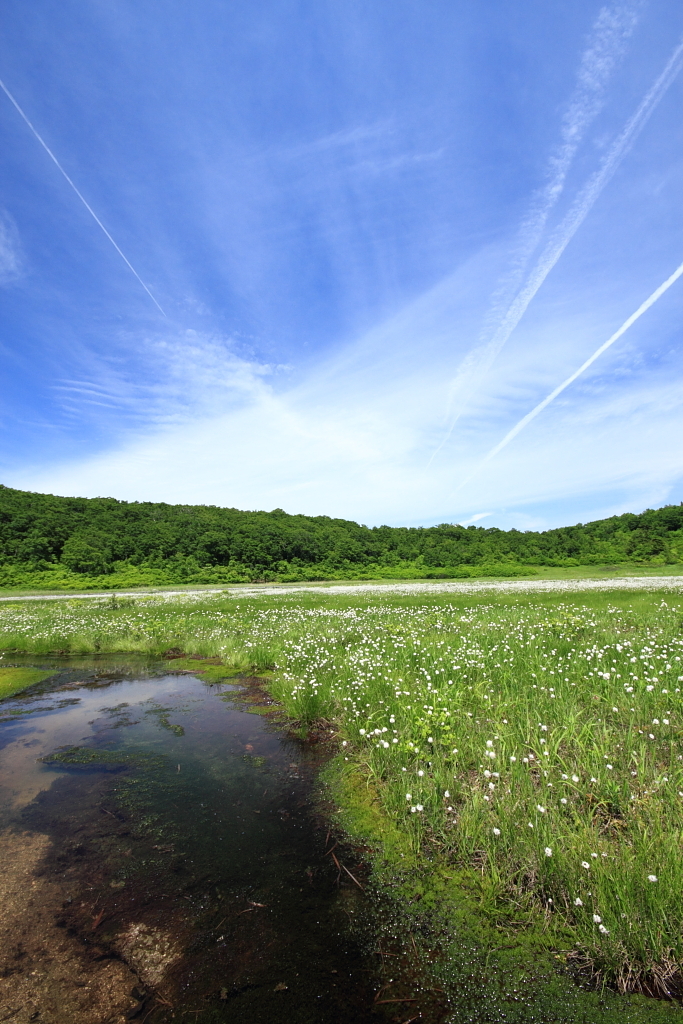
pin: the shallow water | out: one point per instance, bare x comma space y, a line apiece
187, 846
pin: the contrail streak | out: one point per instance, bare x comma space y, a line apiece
657, 294
587, 197
606, 46
87, 205
481, 359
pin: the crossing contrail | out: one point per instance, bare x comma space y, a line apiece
605, 48
87, 205
657, 294
480, 360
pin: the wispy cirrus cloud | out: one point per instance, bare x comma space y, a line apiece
172, 379
612, 29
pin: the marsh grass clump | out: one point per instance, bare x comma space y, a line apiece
532, 744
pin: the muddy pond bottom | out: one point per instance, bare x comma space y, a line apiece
163, 859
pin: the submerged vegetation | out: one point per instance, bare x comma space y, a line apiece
89, 757
520, 756
50, 542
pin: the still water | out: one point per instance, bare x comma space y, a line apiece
178, 841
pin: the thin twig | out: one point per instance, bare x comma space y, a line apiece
354, 879
380, 1001
379, 991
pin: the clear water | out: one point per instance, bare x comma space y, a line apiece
190, 831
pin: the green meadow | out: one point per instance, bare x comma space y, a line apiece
517, 755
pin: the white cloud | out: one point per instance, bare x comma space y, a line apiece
353, 439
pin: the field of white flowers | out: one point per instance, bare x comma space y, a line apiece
534, 739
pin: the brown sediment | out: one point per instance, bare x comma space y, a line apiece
47, 974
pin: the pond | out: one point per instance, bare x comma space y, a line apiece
164, 857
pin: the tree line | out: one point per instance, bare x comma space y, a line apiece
96, 537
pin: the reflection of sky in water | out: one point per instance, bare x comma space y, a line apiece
212, 729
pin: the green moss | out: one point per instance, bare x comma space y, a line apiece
360, 814
12, 680
208, 671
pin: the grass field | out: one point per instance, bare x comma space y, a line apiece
531, 741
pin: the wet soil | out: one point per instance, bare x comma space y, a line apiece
47, 972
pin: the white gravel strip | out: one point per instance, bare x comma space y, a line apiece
670, 583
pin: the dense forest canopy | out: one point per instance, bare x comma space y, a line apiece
97, 537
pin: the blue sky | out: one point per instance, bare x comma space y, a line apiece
380, 235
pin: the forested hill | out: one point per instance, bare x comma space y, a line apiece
55, 541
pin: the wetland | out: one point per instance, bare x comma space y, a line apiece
367, 807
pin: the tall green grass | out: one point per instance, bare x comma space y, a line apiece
534, 741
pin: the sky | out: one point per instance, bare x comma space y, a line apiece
344, 259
